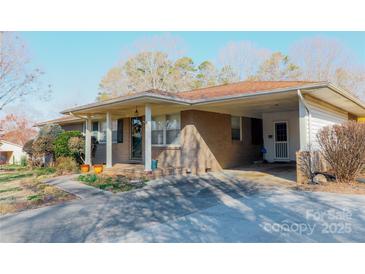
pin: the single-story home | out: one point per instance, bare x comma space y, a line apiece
211, 128
10, 153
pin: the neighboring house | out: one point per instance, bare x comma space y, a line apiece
212, 128
10, 153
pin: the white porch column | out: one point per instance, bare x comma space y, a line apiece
109, 140
303, 127
148, 138
88, 141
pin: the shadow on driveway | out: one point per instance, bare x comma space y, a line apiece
217, 207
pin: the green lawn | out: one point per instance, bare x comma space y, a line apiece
16, 174
12, 168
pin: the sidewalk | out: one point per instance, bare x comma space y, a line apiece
70, 184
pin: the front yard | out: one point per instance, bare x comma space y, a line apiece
22, 188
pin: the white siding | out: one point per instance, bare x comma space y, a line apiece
16, 151
268, 119
321, 117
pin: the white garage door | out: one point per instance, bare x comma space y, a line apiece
322, 118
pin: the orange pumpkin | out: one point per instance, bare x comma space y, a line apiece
98, 169
85, 168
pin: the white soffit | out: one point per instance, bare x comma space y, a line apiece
334, 98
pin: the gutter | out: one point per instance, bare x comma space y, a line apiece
183, 101
131, 98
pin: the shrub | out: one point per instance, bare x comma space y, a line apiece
23, 161
343, 147
76, 146
42, 146
60, 145
66, 165
28, 147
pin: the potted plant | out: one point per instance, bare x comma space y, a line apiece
98, 169
85, 168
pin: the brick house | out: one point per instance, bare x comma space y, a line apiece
211, 128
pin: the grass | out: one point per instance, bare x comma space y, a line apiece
14, 176
114, 184
12, 167
22, 173
11, 189
22, 189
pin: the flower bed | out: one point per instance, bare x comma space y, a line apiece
112, 183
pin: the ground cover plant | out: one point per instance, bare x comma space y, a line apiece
111, 183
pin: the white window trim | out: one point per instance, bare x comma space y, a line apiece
164, 130
99, 132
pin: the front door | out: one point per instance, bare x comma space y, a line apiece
281, 141
136, 138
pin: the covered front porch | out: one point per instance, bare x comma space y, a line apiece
123, 136
206, 137
125, 132
200, 135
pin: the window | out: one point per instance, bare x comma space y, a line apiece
102, 133
120, 131
236, 125
158, 124
173, 129
166, 129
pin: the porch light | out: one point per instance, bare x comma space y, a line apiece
136, 112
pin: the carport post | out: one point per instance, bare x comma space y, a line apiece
148, 141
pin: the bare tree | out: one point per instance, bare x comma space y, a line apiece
326, 59
275, 68
243, 57
207, 75
17, 79
228, 75
149, 63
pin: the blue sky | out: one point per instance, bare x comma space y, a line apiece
74, 62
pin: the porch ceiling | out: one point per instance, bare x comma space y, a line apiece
255, 106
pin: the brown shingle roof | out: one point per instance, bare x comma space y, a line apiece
64, 119
238, 88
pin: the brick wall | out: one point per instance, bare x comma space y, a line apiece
206, 143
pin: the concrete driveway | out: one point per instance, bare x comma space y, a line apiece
218, 207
